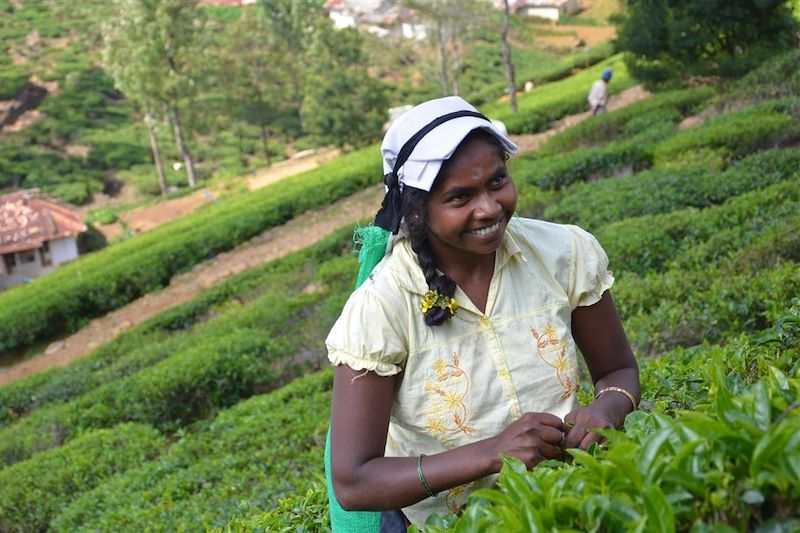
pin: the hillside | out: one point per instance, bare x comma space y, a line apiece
197, 396
66, 128
201, 417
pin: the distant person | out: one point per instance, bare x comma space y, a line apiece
598, 96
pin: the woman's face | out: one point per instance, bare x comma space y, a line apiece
471, 204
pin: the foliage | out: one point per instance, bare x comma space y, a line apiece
263, 295
730, 462
306, 512
657, 191
553, 101
670, 39
648, 243
112, 277
33, 492
665, 107
244, 460
337, 69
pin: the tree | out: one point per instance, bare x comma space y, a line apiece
257, 60
343, 105
453, 23
294, 23
669, 39
512, 84
153, 50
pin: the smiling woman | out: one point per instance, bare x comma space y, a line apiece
460, 347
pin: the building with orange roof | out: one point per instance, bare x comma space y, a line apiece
36, 235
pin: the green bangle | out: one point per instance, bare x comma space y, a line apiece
422, 477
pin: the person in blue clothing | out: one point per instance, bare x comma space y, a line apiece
460, 347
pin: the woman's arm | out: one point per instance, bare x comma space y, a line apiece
599, 334
364, 479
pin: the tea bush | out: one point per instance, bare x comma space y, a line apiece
666, 107
730, 462
593, 204
257, 452
33, 492
544, 104
65, 299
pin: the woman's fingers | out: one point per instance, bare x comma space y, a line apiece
590, 438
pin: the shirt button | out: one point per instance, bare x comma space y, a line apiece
485, 321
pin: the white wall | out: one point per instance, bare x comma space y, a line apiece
63, 250
550, 13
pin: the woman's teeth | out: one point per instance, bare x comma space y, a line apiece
486, 231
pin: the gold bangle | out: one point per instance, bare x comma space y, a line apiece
621, 391
422, 477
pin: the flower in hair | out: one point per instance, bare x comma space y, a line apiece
433, 299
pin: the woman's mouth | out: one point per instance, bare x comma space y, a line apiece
487, 230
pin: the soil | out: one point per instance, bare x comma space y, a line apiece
296, 234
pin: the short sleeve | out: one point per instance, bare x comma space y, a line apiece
589, 266
366, 337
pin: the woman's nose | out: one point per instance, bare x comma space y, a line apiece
488, 207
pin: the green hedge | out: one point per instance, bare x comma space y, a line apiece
108, 279
182, 327
246, 350
670, 106
742, 132
33, 492
707, 306
544, 104
560, 170
647, 243
729, 463
299, 513
593, 204
734, 135
246, 459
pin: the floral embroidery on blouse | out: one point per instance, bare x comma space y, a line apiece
456, 497
553, 351
446, 393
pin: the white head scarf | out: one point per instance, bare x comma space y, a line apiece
422, 166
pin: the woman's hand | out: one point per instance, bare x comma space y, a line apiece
531, 439
606, 412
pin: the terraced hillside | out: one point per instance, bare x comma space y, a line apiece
213, 414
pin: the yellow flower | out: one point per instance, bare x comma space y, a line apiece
440, 367
452, 401
435, 426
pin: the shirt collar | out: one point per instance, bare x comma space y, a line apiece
409, 274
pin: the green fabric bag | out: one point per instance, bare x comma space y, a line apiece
373, 241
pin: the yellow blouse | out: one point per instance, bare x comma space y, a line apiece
467, 379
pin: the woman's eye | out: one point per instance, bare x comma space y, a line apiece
498, 180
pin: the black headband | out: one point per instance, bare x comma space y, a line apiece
390, 214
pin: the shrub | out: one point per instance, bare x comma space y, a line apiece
33, 492
742, 132
118, 274
249, 457
663, 108
659, 191
645, 244
730, 462
304, 512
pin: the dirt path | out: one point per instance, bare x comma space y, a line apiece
298, 233
149, 217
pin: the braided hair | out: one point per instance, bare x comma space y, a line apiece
415, 216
